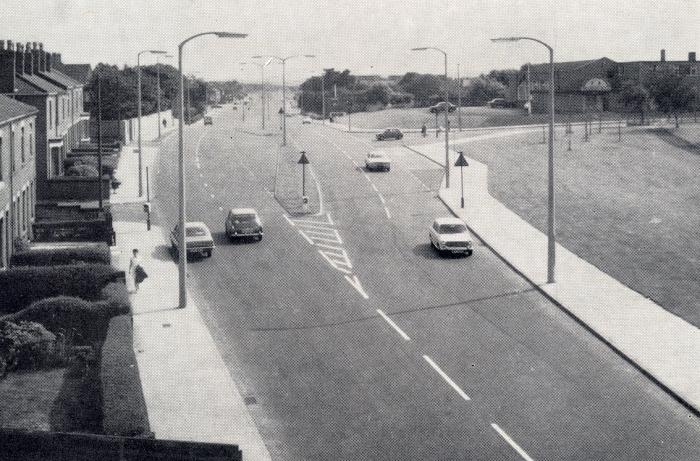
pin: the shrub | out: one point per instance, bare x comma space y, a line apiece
109, 162
123, 406
117, 296
21, 286
82, 170
82, 322
26, 345
92, 253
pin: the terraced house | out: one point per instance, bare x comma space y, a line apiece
27, 75
17, 174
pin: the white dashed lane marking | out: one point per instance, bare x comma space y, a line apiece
511, 442
446, 378
393, 325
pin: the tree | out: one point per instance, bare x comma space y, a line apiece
636, 97
671, 93
422, 87
484, 88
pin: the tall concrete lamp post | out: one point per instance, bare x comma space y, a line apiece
262, 86
138, 96
447, 121
158, 94
182, 245
551, 239
284, 93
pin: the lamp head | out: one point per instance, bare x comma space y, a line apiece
230, 35
422, 48
506, 39
157, 52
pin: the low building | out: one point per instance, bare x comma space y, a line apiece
17, 174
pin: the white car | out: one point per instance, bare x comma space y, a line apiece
198, 239
306, 121
377, 160
451, 234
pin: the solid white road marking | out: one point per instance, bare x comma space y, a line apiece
388, 215
325, 232
355, 282
311, 222
511, 442
221, 209
393, 325
328, 240
205, 184
311, 242
446, 378
291, 223
367, 178
328, 215
375, 188
323, 226
325, 245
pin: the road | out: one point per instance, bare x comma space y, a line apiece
351, 339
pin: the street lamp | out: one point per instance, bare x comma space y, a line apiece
447, 121
138, 96
262, 86
158, 78
182, 245
323, 89
551, 239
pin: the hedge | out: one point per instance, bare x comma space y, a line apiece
123, 406
94, 253
82, 170
21, 286
80, 322
27, 345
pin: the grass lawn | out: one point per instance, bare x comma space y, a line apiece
631, 208
472, 117
50, 400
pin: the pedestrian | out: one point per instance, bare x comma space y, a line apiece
136, 272
424, 130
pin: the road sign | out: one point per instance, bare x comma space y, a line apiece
303, 160
461, 161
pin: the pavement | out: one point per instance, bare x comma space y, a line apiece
662, 345
188, 390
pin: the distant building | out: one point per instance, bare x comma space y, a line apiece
591, 86
17, 174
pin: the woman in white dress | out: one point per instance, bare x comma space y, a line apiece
133, 284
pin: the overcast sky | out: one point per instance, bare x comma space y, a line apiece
361, 35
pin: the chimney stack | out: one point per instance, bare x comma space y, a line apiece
47, 61
691, 56
28, 64
7, 67
36, 58
19, 58
42, 58
663, 55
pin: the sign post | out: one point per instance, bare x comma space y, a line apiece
303, 161
461, 163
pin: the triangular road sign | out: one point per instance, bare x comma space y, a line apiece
461, 161
303, 160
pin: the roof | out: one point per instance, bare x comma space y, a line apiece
11, 109
60, 79
569, 66
40, 83
243, 211
448, 220
78, 72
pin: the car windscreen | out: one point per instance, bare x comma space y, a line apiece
195, 232
452, 228
244, 217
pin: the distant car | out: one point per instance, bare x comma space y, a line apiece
497, 102
235, 107
389, 133
451, 235
242, 223
216, 106
377, 160
306, 121
208, 120
198, 239
440, 107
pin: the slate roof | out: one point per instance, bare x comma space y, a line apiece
39, 83
78, 72
60, 79
11, 109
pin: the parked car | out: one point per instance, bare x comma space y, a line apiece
198, 239
208, 120
378, 160
389, 133
451, 235
497, 102
440, 107
243, 223
306, 121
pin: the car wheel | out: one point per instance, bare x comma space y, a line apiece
259, 237
468, 252
208, 253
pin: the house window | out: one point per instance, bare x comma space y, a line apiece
12, 151
57, 112
21, 148
2, 242
49, 118
23, 205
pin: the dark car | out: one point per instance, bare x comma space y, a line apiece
440, 107
208, 120
389, 133
198, 239
243, 223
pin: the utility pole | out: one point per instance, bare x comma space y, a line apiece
99, 143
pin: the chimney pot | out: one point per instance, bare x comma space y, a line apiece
34, 45
663, 55
2, 44
41, 46
9, 45
691, 56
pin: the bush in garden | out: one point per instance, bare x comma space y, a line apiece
26, 345
82, 170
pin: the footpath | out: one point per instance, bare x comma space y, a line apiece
188, 390
663, 346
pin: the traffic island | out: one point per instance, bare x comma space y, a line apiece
296, 187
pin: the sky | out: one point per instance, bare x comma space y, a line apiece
365, 36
